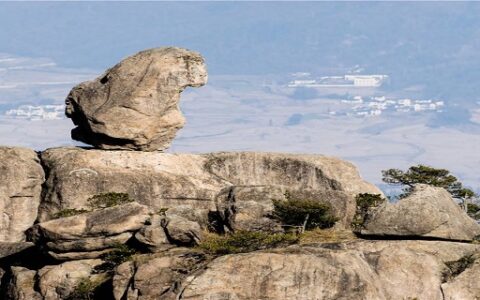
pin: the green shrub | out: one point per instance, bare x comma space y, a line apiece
473, 210
245, 241
85, 289
364, 203
108, 200
456, 267
69, 212
311, 213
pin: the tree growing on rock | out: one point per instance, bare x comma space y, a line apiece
307, 214
422, 174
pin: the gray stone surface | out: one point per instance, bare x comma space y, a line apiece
21, 177
181, 231
91, 234
465, 285
353, 270
249, 208
59, 281
100, 223
153, 235
192, 182
427, 212
156, 276
22, 285
134, 105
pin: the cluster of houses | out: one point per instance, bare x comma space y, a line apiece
39, 112
346, 81
374, 106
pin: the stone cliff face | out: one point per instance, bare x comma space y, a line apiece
21, 178
237, 188
197, 181
141, 225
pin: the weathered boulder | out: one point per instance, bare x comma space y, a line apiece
134, 105
163, 180
21, 177
100, 223
353, 270
22, 285
181, 231
153, 236
59, 281
249, 208
427, 212
156, 276
85, 235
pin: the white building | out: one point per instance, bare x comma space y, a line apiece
405, 102
366, 80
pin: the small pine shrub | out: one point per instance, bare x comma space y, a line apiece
245, 241
296, 212
456, 267
473, 211
108, 200
364, 203
69, 212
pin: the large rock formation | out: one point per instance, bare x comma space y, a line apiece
428, 212
162, 180
351, 270
21, 178
146, 249
165, 240
134, 105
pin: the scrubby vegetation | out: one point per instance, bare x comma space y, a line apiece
245, 241
455, 268
308, 214
473, 210
69, 212
364, 204
86, 288
96, 202
108, 200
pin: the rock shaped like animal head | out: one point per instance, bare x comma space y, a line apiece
134, 105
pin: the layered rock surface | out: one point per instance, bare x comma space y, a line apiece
89, 235
162, 180
21, 178
428, 212
180, 195
134, 105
